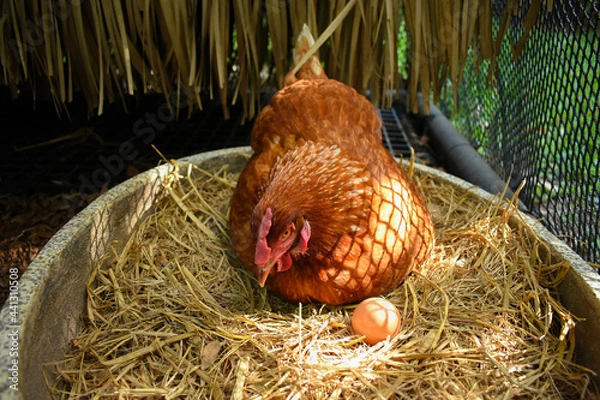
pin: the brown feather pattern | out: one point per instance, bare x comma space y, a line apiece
318, 158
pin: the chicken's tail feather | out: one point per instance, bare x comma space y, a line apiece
311, 69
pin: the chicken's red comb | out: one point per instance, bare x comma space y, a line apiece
263, 251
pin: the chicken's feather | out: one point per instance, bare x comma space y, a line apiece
312, 69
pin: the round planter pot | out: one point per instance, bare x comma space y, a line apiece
44, 310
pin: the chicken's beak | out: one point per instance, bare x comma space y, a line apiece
282, 262
263, 273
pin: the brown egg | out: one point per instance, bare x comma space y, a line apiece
376, 319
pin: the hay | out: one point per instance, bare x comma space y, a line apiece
174, 315
109, 50
189, 50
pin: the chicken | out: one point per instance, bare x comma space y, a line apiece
322, 212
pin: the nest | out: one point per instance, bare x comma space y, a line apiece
175, 315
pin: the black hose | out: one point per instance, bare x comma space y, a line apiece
459, 157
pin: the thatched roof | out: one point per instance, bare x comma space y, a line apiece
234, 49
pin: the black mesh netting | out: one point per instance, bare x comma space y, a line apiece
539, 121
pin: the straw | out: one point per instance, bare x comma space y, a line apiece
176, 315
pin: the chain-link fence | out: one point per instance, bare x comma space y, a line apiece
539, 121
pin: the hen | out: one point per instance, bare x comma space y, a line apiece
322, 212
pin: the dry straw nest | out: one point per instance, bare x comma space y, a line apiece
175, 315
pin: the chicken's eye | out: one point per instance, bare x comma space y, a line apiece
285, 234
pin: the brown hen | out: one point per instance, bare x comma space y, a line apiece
322, 212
